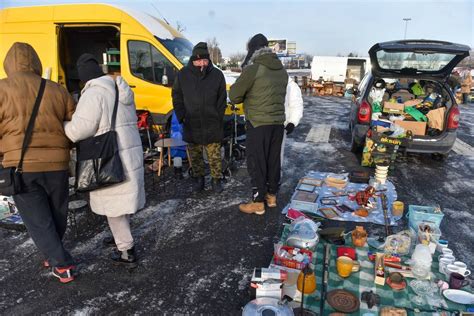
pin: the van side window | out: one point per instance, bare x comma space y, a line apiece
147, 63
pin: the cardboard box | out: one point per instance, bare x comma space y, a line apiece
393, 107
381, 129
412, 102
417, 128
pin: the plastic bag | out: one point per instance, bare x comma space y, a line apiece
397, 244
397, 130
303, 233
376, 107
376, 95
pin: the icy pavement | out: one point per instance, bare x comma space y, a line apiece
197, 251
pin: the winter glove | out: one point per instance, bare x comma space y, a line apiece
289, 128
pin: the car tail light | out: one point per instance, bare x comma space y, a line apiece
365, 112
453, 118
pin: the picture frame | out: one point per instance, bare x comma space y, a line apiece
312, 181
306, 187
303, 196
329, 212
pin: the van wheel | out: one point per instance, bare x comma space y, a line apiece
439, 157
355, 148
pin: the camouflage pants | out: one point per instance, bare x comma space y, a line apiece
213, 152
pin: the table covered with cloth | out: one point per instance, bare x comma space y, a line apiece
359, 282
376, 215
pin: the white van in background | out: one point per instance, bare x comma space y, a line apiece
338, 69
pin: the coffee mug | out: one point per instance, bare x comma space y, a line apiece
344, 266
443, 263
356, 266
448, 257
457, 281
450, 268
446, 251
462, 268
441, 244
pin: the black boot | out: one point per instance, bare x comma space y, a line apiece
217, 185
126, 258
198, 185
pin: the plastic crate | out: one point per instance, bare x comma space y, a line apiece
417, 214
293, 264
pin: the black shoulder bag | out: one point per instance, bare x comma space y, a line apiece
10, 178
98, 161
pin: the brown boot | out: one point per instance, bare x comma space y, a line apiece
257, 208
271, 200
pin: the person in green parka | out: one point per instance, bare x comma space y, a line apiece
262, 89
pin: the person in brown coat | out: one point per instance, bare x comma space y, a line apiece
43, 202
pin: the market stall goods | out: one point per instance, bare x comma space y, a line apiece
459, 296
267, 306
356, 202
370, 298
343, 301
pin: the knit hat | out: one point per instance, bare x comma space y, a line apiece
257, 42
88, 68
200, 51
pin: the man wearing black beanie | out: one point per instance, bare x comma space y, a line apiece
199, 101
262, 89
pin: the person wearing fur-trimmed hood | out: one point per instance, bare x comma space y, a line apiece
262, 89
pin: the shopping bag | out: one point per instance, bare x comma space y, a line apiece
98, 160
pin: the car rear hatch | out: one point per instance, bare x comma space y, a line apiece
416, 58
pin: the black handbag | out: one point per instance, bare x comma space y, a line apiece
98, 161
11, 178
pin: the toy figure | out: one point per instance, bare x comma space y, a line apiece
362, 197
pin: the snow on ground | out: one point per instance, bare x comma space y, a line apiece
197, 252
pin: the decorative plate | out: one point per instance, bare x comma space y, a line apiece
343, 301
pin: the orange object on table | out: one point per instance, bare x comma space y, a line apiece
306, 275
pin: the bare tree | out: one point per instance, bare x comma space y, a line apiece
236, 59
353, 54
180, 27
214, 51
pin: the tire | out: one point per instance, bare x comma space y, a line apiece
355, 148
237, 153
440, 157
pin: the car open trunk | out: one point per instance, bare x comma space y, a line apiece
416, 58
398, 92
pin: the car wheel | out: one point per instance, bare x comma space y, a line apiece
439, 157
355, 148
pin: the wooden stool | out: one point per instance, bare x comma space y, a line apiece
169, 143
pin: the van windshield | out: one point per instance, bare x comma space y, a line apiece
181, 48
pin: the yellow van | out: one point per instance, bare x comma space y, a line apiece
146, 51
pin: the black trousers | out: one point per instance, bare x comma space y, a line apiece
43, 206
263, 146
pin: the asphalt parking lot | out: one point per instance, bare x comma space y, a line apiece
197, 252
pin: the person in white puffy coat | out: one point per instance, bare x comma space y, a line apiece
293, 111
92, 117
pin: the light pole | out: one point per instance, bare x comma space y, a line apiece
406, 26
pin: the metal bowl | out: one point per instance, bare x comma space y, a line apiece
267, 306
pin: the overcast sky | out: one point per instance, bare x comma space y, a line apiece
318, 27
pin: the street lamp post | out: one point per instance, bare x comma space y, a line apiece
406, 26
